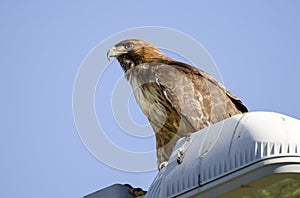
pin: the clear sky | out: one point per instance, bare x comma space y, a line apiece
42, 44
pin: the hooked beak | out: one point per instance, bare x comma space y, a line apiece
113, 52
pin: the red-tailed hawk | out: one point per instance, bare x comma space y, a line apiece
177, 98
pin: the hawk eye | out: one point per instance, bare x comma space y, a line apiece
128, 45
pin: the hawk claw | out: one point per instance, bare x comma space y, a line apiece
162, 165
180, 157
181, 151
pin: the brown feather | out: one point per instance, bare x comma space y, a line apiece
176, 98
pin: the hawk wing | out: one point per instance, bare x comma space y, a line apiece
199, 98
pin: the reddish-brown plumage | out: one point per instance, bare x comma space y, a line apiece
177, 98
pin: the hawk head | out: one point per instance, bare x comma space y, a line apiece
133, 52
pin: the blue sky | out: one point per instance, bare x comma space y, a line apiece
255, 45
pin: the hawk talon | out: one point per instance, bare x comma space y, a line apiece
181, 151
180, 157
162, 165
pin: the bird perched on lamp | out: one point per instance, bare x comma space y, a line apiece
177, 98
